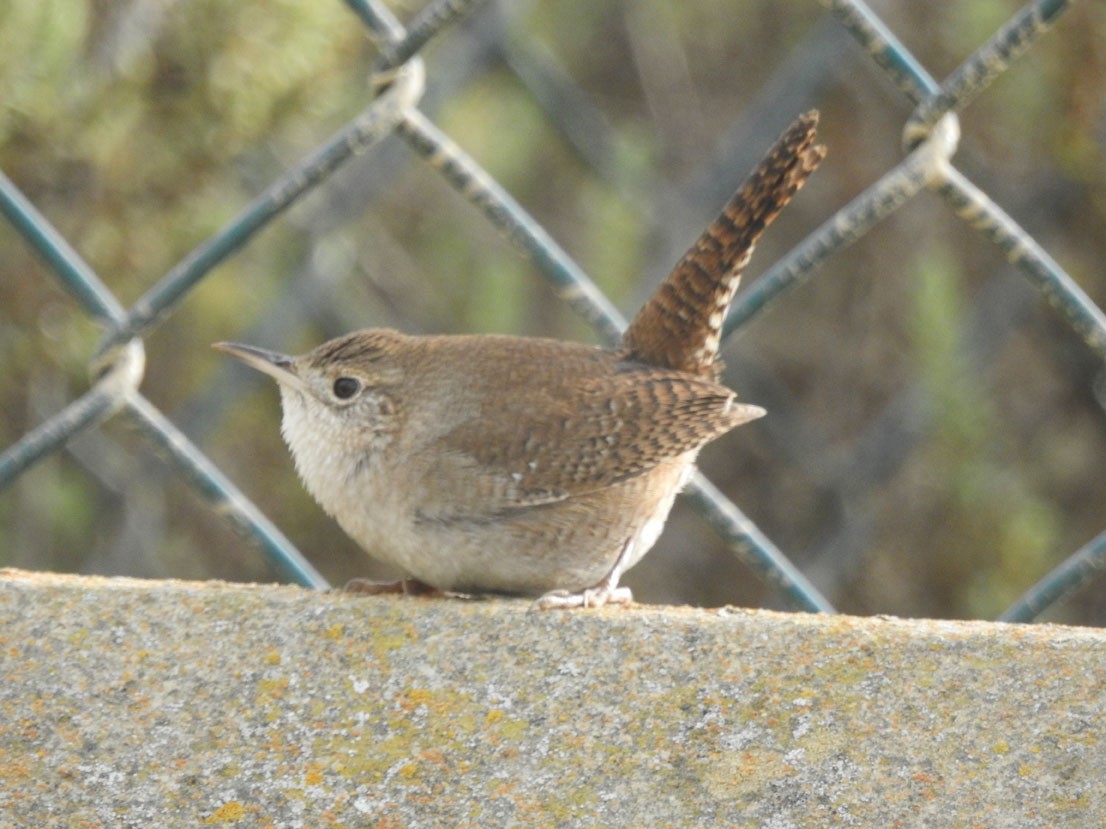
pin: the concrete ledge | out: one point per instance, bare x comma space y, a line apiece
128, 703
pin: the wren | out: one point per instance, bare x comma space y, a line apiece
528, 466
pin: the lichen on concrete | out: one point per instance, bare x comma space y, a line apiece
141, 703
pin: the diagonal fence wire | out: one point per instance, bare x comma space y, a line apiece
930, 135
118, 372
981, 213
377, 121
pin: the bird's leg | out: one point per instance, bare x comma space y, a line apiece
606, 592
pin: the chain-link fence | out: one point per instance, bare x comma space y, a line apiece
858, 480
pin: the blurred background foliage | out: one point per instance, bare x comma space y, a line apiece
936, 437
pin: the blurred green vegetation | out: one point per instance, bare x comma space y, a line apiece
141, 128
1006, 526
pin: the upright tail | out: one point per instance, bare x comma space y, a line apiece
680, 326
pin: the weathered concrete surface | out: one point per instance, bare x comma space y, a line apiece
128, 703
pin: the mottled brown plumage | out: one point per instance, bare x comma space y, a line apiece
681, 324
524, 465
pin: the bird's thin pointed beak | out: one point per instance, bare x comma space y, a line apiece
280, 367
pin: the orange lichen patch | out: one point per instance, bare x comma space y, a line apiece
415, 697
13, 770
269, 690
230, 812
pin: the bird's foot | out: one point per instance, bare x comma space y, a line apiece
606, 592
592, 597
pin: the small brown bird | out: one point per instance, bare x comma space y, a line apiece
492, 464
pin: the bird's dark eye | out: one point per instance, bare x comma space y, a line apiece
346, 387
